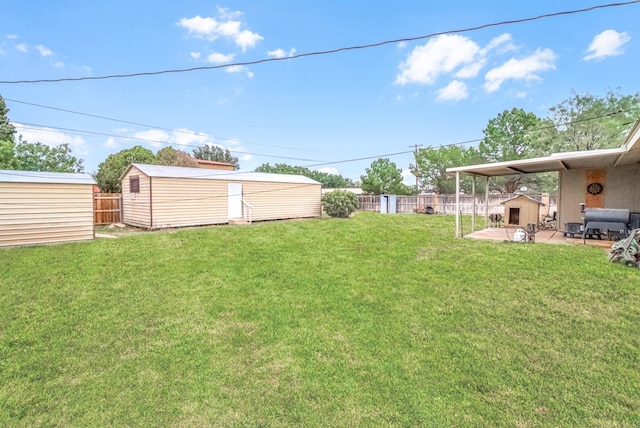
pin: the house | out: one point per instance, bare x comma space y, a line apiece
605, 178
45, 207
155, 196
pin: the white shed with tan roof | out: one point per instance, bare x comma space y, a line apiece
45, 207
156, 196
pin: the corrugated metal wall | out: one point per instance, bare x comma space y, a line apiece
136, 208
178, 202
40, 213
188, 202
279, 201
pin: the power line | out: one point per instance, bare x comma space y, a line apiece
326, 52
155, 127
324, 163
43, 128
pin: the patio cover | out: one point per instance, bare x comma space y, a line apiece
626, 154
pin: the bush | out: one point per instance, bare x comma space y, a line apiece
339, 203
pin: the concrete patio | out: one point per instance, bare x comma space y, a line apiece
541, 237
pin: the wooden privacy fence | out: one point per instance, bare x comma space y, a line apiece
446, 204
107, 208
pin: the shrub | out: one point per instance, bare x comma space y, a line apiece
339, 203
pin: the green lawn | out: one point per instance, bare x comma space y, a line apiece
370, 321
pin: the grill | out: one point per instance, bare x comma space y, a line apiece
597, 220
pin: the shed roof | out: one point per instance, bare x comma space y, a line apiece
628, 153
12, 176
212, 174
522, 196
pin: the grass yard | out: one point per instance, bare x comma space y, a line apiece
371, 321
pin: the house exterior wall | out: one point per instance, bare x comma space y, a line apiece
621, 190
136, 208
42, 213
181, 202
279, 201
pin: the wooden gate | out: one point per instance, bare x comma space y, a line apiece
107, 208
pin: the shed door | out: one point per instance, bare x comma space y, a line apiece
234, 200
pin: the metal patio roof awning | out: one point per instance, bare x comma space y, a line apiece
627, 154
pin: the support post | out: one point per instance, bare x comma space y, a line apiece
486, 205
473, 193
458, 205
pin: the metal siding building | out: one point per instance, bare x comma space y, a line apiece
45, 207
170, 196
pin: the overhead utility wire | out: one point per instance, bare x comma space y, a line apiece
39, 127
326, 52
322, 163
156, 127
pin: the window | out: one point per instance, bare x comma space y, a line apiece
134, 184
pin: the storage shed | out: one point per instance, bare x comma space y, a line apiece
156, 196
521, 210
45, 207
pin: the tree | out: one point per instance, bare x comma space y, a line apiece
339, 203
431, 168
172, 157
384, 177
329, 181
109, 171
40, 157
215, 153
588, 122
513, 134
7, 141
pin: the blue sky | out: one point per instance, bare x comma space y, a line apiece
318, 111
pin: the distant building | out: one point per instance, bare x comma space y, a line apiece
207, 164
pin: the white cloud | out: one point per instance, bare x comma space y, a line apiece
450, 54
186, 137
44, 51
235, 69
228, 14
527, 69
58, 64
246, 39
440, 55
520, 94
11, 36
22, 47
607, 43
199, 26
277, 53
195, 55
501, 43
228, 27
153, 137
471, 70
218, 58
455, 91
329, 170
408, 178
111, 143
52, 138
280, 53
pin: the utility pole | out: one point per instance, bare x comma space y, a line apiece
415, 155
